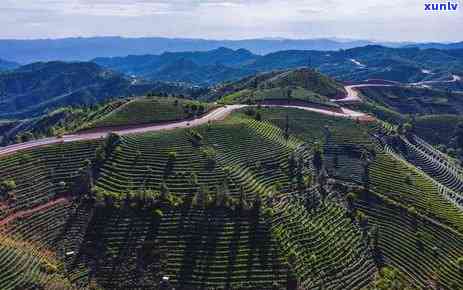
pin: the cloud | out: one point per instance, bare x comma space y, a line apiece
379, 19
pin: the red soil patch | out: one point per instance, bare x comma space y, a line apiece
26, 213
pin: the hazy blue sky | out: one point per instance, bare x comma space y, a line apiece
230, 19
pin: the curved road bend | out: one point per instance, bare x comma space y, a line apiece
215, 115
454, 79
353, 94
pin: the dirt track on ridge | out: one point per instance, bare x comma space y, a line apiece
215, 115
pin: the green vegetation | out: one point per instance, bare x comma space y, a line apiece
58, 122
265, 198
289, 86
406, 65
438, 129
437, 122
123, 112
34, 90
390, 278
152, 110
36, 267
408, 100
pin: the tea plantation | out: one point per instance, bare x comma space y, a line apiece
267, 198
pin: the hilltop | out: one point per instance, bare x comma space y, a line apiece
84, 112
152, 110
304, 85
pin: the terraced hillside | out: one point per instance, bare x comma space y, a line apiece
60, 121
198, 249
306, 236
426, 252
412, 100
438, 129
433, 115
417, 221
124, 112
35, 265
149, 110
266, 199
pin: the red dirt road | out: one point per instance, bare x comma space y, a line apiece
20, 214
215, 115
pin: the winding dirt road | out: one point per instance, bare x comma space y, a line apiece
215, 115
454, 79
353, 94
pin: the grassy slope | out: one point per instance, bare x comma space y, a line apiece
302, 84
151, 110
60, 121
115, 113
437, 112
415, 100
437, 129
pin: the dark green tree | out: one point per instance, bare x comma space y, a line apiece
366, 160
84, 182
164, 191
317, 158
242, 202
459, 135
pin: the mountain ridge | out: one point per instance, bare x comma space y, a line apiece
407, 65
34, 89
85, 49
7, 65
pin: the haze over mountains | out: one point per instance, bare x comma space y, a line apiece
34, 89
7, 65
223, 64
84, 49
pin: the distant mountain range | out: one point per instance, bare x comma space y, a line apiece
203, 68
37, 88
7, 65
369, 62
84, 49
34, 89
436, 45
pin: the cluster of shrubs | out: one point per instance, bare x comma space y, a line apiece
159, 200
255, 113
193, 108
7, 188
